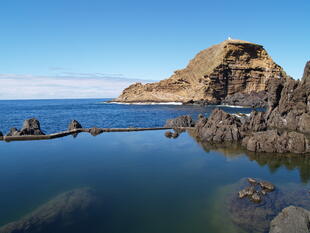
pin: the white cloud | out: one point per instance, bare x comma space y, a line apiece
66, 85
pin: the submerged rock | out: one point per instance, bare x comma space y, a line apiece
168, 134
181, 121
291, 219
256, 190
254, 214
74, 124
174, 134
64, 213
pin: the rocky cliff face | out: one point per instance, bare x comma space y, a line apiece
284, 128
230, 67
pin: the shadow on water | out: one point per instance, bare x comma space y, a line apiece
274, 161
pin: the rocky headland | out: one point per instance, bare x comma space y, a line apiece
226, 72
283, 128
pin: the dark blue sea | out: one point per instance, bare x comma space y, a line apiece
134, 182
55, 115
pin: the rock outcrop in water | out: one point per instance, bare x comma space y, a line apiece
284, 127
30, 127
63, 213
74, 124
291, 219
181, 121
223, 70
256, 216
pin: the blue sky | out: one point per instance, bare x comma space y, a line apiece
45, 44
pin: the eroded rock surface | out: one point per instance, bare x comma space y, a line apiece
219, 127
74, 124
291, 219
30, 127
283, 128
181, 121
61, 214
275, 141
231, 67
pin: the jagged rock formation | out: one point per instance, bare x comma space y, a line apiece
231, 67
181, 121
74, 124
30, 127
284, 128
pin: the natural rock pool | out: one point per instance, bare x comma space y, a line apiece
140, 182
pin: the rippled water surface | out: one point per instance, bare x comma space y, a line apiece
55, 115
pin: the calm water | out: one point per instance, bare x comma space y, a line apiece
143, 182
55, 115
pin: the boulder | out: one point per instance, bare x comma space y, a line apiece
74, 124
168, 134
95, 131
31, 127
181, 121
67, 212
291, 219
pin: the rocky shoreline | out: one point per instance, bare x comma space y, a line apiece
283, 128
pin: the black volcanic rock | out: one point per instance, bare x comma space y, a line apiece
74, 124
219, 127
275, 141
284, 128
253, 99
181, 121
31, 127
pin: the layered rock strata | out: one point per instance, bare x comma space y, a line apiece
225, 69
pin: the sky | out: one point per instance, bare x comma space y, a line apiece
94, 49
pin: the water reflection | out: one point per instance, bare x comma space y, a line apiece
274, 161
